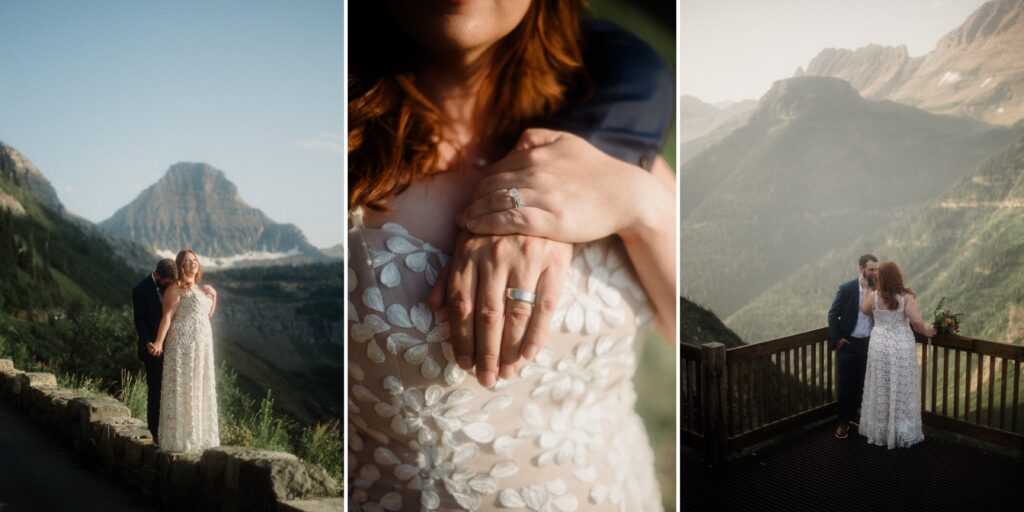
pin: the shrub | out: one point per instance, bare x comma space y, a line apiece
321, 444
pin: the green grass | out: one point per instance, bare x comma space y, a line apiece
261, 429
134, 392
81, 383
321, 444
243, 423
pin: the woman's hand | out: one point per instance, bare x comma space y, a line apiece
571, 192
487, 329
212, 294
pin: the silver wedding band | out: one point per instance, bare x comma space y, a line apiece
517, 200
520, 295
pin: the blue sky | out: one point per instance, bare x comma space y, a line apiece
735, 50
104, 96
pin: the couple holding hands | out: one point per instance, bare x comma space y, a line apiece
172, 320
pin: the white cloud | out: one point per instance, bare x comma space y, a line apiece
327, 141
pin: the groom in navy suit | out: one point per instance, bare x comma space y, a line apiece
147, 305
849, 331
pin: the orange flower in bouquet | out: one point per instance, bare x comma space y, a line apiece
946, 321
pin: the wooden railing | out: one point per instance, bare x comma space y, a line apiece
981, 397
733, 398
691, 417
777, 385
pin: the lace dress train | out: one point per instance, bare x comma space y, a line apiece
188, 395
891, 409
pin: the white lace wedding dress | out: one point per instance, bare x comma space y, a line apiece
562, 435
890, 414
188, 394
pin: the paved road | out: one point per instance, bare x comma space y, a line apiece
37, 474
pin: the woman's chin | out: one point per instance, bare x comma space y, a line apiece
459, 25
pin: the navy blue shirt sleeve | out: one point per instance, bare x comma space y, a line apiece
623, 103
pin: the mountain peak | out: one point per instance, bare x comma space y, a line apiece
21, 172
809, 85
975, 71
994, 19
874, 70
693, 106
195, 205
197, 169
199, 177
795, 96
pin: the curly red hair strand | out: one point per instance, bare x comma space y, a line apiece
394, 129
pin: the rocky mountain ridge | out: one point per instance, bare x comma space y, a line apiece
194, 205
975, 71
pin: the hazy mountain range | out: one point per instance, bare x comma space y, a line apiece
976, 71
703, 124
869, 150
816, 165
966, 244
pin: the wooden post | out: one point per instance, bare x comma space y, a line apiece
713, 389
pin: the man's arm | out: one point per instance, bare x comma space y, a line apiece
139, 313
834, 316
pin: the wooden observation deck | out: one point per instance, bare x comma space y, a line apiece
756, 425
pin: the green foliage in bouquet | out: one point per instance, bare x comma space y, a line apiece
946, 320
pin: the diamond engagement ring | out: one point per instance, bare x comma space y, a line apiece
521, 295
517, 200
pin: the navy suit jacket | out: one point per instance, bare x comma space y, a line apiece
842, 316
623, 103
147, 310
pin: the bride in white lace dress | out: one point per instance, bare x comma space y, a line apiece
458, 397
188, 395
891, 409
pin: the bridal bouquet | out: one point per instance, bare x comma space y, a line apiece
947, 321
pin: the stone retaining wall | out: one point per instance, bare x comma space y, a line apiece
225, 479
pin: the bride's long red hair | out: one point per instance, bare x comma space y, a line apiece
890, 285
393, 129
